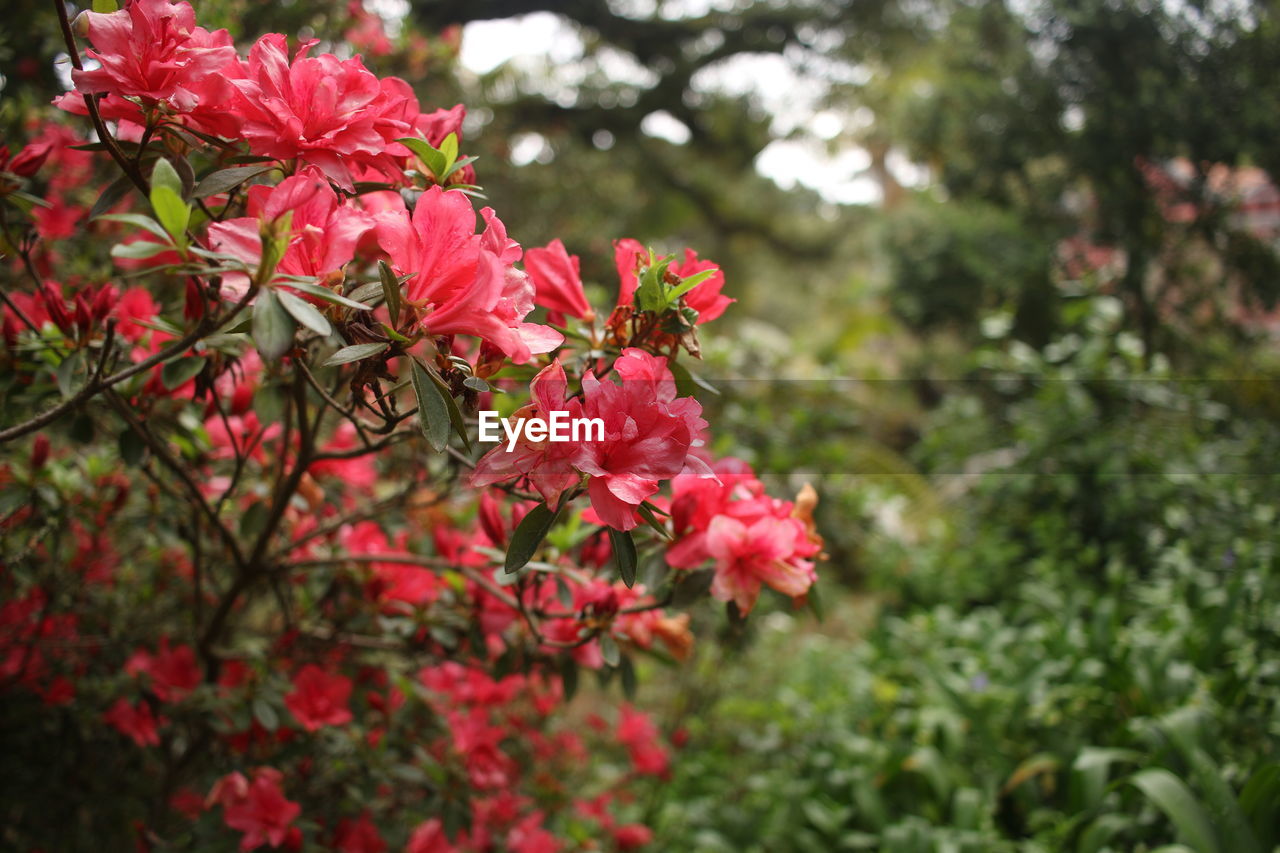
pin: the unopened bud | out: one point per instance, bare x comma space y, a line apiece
80, 25
39, 452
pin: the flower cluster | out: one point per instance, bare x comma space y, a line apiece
255, 542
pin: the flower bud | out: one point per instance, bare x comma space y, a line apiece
39, 452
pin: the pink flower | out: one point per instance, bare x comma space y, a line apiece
391, 581
463, 282
152, 50
319, 698
429, 837
639, 735
557, 282
632, 836
135, 721
768, 551
358, 836
26, 162
173, 673
258, 808
648, 432
331, 113
323, 231
548, 465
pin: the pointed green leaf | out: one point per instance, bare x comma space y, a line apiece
114, 192
433, 412
272, 326
172, 211
629, 682
390, 291
455, 414
224, 180
305, 313
356, 352
178, 371
646, 512
624, 554
431, 157
164, 175
689, 284
321, 292
609, 650
139, 220
569, 677
528, 536
140, 250
1171, 795
265, 714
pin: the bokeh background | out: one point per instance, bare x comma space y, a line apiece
1006, 277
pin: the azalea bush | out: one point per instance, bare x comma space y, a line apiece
261, 587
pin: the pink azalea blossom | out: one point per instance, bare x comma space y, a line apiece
769, 551
321, 110
257, 808
462, 282
323, 231
153, 50
135, 721
548, 465
648, 432
557, 281
319, 698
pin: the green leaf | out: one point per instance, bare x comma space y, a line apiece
1260, 802
133, 450
272, 326
140, 250
528, 536
646, 512
569, 677
172, 211
629, 682
355, 352
164, 175
139, 220
687, 384
455, 414
65, 374
433, 412
475, 383
624, 554
105, 7
269, 402
390, 291
449, 148
689, 283
609, 650
692, 586
1225, 812
431, 157
305, 313
1171, 795
224, 180
178, 371
266, 715
115, 191
326, 294
651, 288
